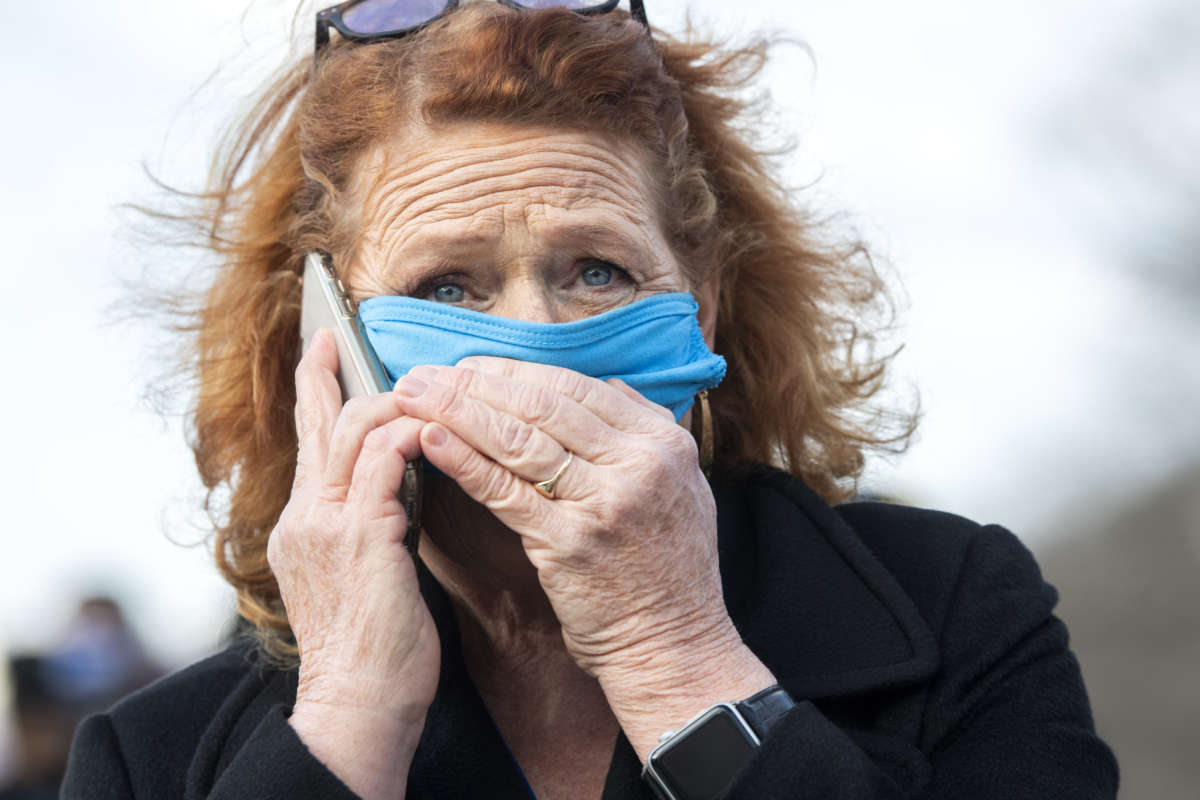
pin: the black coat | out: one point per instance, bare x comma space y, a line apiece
920, 646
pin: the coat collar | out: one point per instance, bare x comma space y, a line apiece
809, 598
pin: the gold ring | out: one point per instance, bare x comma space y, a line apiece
546, 488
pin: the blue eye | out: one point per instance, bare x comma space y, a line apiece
448, 293
597, 273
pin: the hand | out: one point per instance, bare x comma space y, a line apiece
369, 652
627, 552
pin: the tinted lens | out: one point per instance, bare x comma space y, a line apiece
574, 5
386, 16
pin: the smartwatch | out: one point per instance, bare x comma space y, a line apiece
701, 759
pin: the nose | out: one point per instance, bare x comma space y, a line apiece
527, 299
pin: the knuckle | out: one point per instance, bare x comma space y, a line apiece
573, 384
490, 483
534, 403
502, 493
623, 387
333, 492
679, 441
448, 403
666, 452
675, 457
377, 440
497, 484
356, 408
308, 420
620, 508
319, 526
492, 365
288, 528
654, 421
307, 377
513, 436
468, 379
461, 379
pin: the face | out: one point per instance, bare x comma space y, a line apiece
532, 224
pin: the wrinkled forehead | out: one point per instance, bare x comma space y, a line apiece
426, 173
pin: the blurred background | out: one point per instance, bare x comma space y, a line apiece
1029, 174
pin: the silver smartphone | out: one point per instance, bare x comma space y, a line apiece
325, 303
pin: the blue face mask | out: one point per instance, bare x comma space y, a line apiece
655, 345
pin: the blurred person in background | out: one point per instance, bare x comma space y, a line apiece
43, 725
622, 589
98, 660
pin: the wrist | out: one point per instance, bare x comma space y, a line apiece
369, 750
666, 688
330, 684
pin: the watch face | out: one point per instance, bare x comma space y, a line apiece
701, 760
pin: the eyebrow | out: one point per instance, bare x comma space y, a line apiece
601, 235
585, 234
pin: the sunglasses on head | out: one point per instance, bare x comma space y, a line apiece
365, 20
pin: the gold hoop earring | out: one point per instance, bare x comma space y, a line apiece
705, 437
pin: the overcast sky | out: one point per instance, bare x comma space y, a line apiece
991, 154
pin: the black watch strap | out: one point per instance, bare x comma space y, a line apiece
761, 711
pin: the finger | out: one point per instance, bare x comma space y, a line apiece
512, 499
318, 402
358, 417
516, 445
530, 405
636, 396
606, 402
379, 469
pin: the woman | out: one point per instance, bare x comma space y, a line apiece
582, 588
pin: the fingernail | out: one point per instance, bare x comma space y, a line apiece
436, 435
426, 371
413, 387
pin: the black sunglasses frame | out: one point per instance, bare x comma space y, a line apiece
332, 17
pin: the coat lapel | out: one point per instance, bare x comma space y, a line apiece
809, 598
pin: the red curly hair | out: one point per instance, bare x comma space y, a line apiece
794, 316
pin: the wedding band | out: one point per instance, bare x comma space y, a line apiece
546, 488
